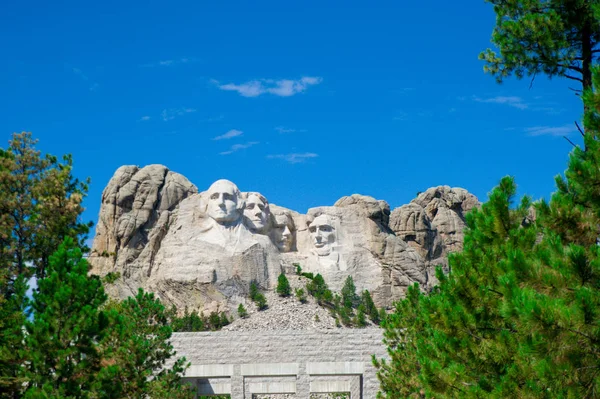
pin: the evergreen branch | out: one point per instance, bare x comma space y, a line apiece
573, 78
566, 138
579, 128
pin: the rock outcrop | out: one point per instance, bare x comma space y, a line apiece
202, 250
433, 224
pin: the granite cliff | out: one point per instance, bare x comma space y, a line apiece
201, 250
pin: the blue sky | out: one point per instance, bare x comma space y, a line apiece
302, 101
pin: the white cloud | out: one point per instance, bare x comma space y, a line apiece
237, 147
281, 88
284, 130
295, 157
92, 85
145, 118
172, 113
550, 130
511, 101
229, 135
168, 63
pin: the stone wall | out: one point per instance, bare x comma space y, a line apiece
283, 362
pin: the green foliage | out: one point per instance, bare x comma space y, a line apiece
194, 322
135, 350
224, 320
283, 286
360, 320
13, 313
369, 307
62, 337
309, 276
40, 204
242, 312
111, 278
319, 289
261, 302
349, 297
257, 297
301, 295
518, 316
298, 268
188, 322
555, 38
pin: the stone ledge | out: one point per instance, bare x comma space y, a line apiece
335, 368
209, 370
269, 369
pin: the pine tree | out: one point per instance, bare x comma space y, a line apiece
62, 337
555, 38
518, 315
369, 306
13, 313
283, 286
349, 297
135, 351
463, 317
254, 292
242, 312
257, 297
224, 320
40, 204
300, 295
318, 288
360, 318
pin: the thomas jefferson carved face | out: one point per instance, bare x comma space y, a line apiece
322, 234
223, 198
282, 236
256, 212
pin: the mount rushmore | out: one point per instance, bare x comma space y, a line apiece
201, 250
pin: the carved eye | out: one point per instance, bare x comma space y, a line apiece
250, 206
312, 229
261, 207
227, 196
326, 228
214, 196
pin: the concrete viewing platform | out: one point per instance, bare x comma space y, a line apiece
242, 364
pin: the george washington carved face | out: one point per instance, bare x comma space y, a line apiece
223, 198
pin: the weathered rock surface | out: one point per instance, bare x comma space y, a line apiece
202, 250
134, 216
433, 224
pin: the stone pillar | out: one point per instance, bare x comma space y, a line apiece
237, 383
302, 382
356, 384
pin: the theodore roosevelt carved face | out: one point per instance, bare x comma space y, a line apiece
223, 199
322, 234
282, 232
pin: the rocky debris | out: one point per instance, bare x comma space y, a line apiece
433, 224
286, 313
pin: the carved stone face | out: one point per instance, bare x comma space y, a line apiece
223, 197
282, 232
322, 234
256, 212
